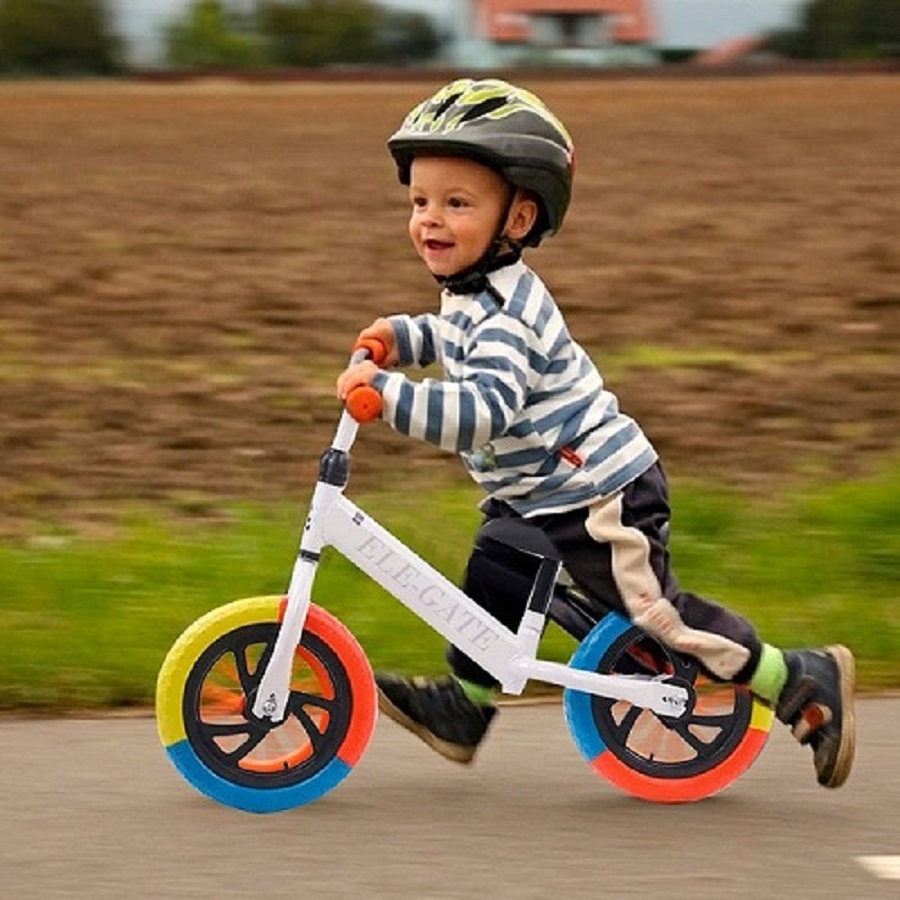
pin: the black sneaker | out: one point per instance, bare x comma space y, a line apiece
437, 711
817, 702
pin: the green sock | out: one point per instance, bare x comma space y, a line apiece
478, 693
770, 676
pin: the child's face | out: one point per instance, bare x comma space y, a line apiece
456, 210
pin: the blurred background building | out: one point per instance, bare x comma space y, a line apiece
493, 33
490, 33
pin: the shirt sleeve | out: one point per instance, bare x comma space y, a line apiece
466, 412
416, 338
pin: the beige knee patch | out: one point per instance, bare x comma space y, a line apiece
724, 658
642, 594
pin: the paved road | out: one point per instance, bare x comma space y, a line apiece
92, 809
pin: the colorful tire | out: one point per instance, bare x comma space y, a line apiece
653, 757
204, 697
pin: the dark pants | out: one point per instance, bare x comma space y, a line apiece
617, 553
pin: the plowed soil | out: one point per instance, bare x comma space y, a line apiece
184, 267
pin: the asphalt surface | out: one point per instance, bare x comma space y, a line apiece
91, 808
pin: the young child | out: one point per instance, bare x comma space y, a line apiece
489, 169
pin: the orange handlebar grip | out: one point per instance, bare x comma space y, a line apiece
364, 403
377, 349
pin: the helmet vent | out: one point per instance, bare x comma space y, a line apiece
483, 108
446, 104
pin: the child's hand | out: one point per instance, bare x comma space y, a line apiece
354, 376
382, 330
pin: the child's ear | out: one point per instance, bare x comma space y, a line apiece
522, 216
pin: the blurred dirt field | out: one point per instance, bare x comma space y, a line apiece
183, 269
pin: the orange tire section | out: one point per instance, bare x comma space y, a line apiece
359, 672
682, 790
662, 788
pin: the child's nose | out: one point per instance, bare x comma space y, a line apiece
431, 214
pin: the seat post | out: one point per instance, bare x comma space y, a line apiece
542, 587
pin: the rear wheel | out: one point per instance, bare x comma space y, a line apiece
205, 695
654, 757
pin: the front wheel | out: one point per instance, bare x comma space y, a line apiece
654, 757
204, 700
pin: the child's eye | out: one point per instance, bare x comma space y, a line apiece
419, 202
457, 203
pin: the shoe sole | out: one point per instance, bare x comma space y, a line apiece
843, 762
454, 752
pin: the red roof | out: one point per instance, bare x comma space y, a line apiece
735, 50
507, 20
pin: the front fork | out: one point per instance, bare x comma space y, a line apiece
274, 688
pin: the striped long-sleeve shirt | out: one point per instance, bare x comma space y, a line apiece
520, 401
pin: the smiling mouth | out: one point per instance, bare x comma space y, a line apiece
432, 244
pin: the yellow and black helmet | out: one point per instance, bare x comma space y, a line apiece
502, 126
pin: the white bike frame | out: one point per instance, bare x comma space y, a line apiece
511, 657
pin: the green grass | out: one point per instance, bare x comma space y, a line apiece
622, 361
87, 624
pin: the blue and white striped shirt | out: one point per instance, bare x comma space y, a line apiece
521, 402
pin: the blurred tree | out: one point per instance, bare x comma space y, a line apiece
332, 32
320, 32
213, 36
408, 37
843, 29
58, 37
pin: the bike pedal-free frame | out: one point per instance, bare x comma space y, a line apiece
510, 657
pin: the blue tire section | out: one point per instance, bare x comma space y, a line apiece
253, 800
577, 704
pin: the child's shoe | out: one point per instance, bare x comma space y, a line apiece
437, 711
817, 702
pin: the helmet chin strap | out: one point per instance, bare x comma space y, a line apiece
502, 251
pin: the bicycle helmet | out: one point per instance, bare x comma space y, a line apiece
502, 126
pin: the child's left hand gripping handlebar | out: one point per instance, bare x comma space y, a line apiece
363, 402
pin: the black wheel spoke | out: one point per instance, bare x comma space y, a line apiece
226, 729
313, 732
255, 737
627, 723
255, 734
243, 670
302, 698
694, 741
250, 681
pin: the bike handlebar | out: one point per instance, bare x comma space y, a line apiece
375, 349
363, 402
